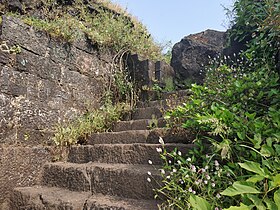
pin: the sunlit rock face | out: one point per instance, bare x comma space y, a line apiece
193, 52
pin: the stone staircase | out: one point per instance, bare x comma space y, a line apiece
109, 173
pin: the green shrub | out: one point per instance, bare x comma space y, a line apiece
197, 176
259, 21
236, 111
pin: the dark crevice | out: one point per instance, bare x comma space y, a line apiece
85, 206
31, 51
41, 199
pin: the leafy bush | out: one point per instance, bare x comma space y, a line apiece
236, 111
258, 22
186, 177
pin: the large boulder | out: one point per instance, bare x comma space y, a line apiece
192, 53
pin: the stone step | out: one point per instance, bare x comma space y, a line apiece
146, 113
143, 124
154, 95
122, 153
123, 137
157, 103
124, 180
50, 198
175, 94
142, 136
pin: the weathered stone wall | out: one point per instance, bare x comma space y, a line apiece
20, 166
145, 72
49, 81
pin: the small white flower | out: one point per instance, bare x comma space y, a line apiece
169, 162
193, 168
168, 177
190, 189
179, 162
206, 167
189, 159
208, 177
149, 179
179, 153
228, 174
218, 196
159, 150
196, 182
174, 170
149, 173
150, 162
194, 192
205, 182
213, 184
203, 170
217, 168
161, 141
187, 176
216, 163
162, 171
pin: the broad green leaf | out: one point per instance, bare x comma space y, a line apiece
277, 148
255, 178
250, 116
257, 140
276, 180
199, 203
270, 204
239, 188
258, 202
241, 207
277, 198
253, 167
269, 142
266, 150
241, 135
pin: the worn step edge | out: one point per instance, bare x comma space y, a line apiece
146, 113
122, 153
123, 137
122, 180
157, 103
41, 198
141, 124
142, 136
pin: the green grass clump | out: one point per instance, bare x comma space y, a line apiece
98, 120
108, 25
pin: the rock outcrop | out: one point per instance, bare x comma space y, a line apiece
192, 53
45, 81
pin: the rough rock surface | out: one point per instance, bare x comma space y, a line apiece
191, 54
47, 82
20, 166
